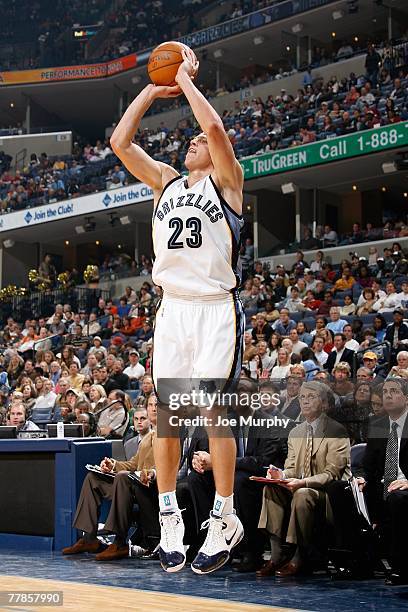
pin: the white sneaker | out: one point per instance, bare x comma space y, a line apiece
171, 548
223, 534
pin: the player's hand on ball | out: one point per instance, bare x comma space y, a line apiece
164, 91
189, 66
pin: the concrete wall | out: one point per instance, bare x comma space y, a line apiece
58, 143
16, 262
117, 288
291, 84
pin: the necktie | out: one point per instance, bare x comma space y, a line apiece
241, 443
307, 470
183, 468
391, 459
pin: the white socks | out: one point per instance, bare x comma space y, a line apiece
223, 505
168, 502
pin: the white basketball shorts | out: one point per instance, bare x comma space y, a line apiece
197, 339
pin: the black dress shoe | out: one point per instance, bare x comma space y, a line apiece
248, 563
151, 555
396, 579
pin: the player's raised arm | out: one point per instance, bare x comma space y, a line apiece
136, 160
227, 167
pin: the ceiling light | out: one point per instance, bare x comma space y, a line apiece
125, 220
405, 194
384, 189
333, 34
287, 48
354, 187
218, 53
80, 229
119, 246
136, 79
388, 167
356, 39
11, 104
288, 188
259, 40
97, 242
67, 242
8, 243
298, 27
337, 15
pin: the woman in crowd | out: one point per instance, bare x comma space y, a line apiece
342, 384
39, 385
29, 396
317, 263
274, 345
88, 422
310, 363
14, 369
303, 333
355, 411
55, 372
86, 386
377, 408
380, 326
328, 337
81, 405
255, 365
281, 370
349, 307
321, 323
366, 302
97, 396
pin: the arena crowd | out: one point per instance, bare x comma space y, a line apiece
315, 332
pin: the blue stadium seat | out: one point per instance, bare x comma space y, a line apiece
133, 394
356, 455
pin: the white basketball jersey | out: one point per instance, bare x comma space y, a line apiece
196, 239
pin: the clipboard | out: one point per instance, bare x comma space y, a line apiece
97, 470
269, 480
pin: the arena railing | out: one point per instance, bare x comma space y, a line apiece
36, 304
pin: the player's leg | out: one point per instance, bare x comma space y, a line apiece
224, 323
170, 365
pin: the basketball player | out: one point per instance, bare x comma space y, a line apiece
200, 323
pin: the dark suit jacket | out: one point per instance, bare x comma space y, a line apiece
264, 446
374, 462
292, 411
402, 332
347, 356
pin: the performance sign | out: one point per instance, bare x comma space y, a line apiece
69, 73
330, 150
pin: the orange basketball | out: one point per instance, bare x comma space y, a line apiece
164, 62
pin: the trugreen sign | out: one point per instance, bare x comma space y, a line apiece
332, 149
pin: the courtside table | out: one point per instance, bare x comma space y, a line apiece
40, 483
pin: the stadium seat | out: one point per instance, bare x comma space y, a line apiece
133, 394
356, 455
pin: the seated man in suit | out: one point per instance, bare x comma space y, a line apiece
257, 447
289, 405
123, 494
318, 452
339, 353
386, 473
